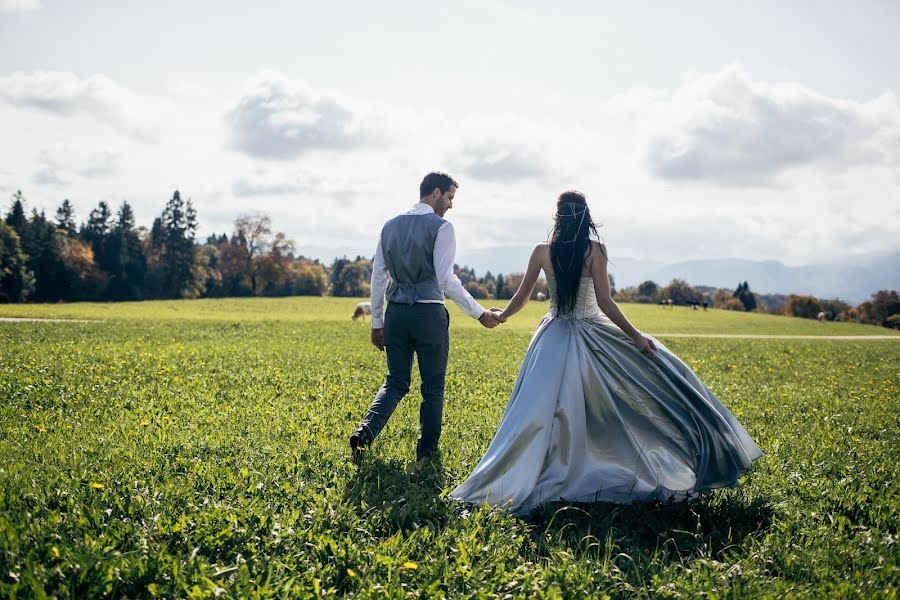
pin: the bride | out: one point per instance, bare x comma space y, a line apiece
599, 411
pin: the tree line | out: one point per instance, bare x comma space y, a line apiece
110, 257
882, 309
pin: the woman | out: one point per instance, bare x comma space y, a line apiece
600, 412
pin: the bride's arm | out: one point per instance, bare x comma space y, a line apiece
523, 294
609, 306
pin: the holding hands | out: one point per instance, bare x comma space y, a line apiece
491, 318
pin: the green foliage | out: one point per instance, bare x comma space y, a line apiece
680, 293
884, 305
65, 217
479, 291
745, 296
350, 278
806, 307
15, 218
16, 282
647, 291
173, 241
199, 449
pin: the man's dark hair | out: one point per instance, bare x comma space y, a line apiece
442, 181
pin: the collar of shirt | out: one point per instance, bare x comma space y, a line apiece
420, 209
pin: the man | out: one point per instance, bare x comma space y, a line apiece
414, 262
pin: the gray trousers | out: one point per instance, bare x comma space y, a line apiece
423, 330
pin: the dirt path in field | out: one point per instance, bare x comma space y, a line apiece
751, 336
39, 320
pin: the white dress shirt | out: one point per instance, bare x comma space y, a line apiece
444, 257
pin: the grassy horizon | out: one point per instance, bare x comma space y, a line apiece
649, 318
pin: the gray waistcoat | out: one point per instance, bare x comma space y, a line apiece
408, 245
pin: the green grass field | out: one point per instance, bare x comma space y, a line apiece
199, 449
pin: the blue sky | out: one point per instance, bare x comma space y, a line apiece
697, 130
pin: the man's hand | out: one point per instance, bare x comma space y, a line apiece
378, 339
498, 312
488, 319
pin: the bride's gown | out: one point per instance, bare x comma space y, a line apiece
591, 418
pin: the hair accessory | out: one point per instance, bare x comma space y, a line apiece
582, 210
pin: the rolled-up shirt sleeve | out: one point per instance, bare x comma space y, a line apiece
381, 278
444, 257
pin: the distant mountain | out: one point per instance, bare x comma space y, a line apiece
853, 280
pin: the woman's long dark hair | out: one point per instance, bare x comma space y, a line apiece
570, 245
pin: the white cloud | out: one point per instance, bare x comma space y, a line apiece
297, 184
19, 6
281, 118
264, 184
503, 149
61, 163
99, 96
730, 129
493, 160
511, 167
47, 175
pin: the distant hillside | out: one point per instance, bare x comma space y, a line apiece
853, 280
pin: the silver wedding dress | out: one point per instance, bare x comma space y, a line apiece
590, 419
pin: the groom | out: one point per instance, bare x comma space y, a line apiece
414, 262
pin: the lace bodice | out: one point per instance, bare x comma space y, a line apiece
585, 304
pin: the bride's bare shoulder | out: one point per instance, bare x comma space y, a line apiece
600, 248
541, 252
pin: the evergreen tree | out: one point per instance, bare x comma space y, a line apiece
97, 233
99, 223
16, 282
175, 232
500, 289
747, 298
15, 218
41, 245
65, 217
128, 263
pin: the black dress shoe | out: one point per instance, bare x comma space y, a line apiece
358, 446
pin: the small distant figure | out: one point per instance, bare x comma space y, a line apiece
362, 309
705, 305
541, 296
694, 306
665, 303
820, 317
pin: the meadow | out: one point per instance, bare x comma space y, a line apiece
199, 449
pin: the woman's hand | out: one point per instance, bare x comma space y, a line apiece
500, 314
645, 345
